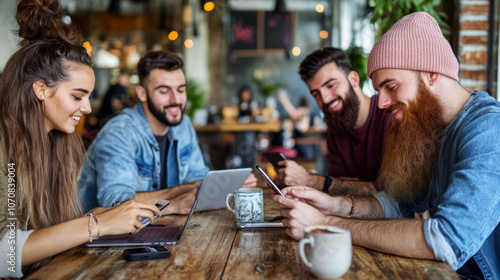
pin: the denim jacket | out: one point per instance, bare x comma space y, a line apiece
124, 159
464, 196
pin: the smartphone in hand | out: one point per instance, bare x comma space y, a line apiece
161, 204
146, 253
274, 158
270, 182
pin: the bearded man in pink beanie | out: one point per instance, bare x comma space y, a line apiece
441, 168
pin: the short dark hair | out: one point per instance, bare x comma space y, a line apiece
157, 60
314, 61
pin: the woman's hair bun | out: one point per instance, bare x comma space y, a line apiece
43, 20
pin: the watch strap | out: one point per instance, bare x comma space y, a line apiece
327, 184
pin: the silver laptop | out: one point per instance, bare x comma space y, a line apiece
217, 184
157, 235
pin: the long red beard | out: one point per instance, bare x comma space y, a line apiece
413, 146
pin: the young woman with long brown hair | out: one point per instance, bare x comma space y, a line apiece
44, 90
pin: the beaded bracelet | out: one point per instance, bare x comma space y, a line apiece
97, 225
353, 204
91, 215
90, 226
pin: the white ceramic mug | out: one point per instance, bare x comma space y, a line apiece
248, 204
330, 254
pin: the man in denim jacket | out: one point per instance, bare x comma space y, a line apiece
125, 160
441, 167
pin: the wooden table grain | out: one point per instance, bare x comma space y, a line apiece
212, 248
273, 125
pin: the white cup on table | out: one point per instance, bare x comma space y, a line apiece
330, 253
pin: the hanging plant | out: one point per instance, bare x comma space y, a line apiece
358, 61
267, 89
195, 96
388, 12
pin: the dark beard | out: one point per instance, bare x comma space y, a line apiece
159, 114
344, 120
413, 146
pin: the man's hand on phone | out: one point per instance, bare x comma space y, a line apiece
270, 183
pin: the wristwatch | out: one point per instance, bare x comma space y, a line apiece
328, 182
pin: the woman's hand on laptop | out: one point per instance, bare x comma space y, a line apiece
250, 182
125, 218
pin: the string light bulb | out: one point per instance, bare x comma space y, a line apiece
173, 35
209, 6
296, 51
188, 43
323, 34
320, 8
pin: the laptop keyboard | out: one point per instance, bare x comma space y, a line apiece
156, 234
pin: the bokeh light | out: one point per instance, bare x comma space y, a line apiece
296, 51
88, 47
188, 43
209, 6
173, 35
320, 8
323, 34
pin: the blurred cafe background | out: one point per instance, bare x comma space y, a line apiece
257, 45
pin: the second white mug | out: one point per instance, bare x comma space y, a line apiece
248, 204
330, 254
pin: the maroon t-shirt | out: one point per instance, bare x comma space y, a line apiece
358, 153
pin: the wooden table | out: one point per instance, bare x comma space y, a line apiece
234, 126
212, 248
273, 125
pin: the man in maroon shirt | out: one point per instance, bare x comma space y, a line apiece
356, 127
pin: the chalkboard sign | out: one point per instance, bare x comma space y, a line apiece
261, 31
244, 35
277, 31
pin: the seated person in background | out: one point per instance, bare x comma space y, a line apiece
44, 91
247, 107
149, 152
244, 150
301, 117
440, 169
356, 127
115, 100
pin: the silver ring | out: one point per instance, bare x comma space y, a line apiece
140, 214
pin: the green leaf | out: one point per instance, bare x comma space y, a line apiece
388, 12
358, 61
195, 95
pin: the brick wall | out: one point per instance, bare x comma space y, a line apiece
473, 43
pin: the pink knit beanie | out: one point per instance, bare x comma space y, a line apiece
415, 42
